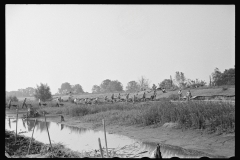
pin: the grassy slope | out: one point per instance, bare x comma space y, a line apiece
195, 92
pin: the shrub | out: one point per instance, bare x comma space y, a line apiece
43, 92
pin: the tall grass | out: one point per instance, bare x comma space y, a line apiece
211, 116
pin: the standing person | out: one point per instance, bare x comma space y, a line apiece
155, 94
39, 102
189, 95
180, 94
119, 96
163, 90
144, 96
134, 98
57, 102
112, 97
127, 96
96, 100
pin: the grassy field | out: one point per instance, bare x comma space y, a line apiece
209, 116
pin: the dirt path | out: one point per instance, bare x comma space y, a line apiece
213, 144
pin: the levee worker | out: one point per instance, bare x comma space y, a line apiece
112, 97
57, 102
155, 94
119, 96
127, 96
39, 102
144, 96
188, 95
180, 94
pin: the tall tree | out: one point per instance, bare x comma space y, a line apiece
132, 86
104, 85
217, 77
65, 88
43, 92
180, 79
114, 86
77, 89
96, 89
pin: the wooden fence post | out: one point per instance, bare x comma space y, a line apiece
32, 137
105, 136
100, 147
16, 125
47, 130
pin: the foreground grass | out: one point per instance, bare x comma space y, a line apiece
210, 116
21, 147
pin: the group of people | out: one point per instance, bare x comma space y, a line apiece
188, 95
118, 98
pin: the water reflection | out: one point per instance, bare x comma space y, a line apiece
9, 123
62, 126
23, 123
82, 139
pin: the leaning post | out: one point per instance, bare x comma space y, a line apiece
32, 137
100, 147
47, 130
105, 137
16, 124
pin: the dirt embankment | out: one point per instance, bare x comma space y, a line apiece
213, 144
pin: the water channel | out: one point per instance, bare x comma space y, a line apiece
85, 140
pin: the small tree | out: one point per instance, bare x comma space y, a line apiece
43, 92
144, 83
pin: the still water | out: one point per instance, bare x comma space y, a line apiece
85, 140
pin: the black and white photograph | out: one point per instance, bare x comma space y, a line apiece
120, 80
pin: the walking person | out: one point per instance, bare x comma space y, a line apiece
180, 94
188, 95
144, 96
155, 94
112, 97
127, 96
119, 96
75, 101
57, 102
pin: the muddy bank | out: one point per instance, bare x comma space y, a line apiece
213, 144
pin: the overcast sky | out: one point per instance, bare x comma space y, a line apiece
86, 44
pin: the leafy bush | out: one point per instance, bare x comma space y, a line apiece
43, 92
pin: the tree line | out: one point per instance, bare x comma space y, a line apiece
217, 78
